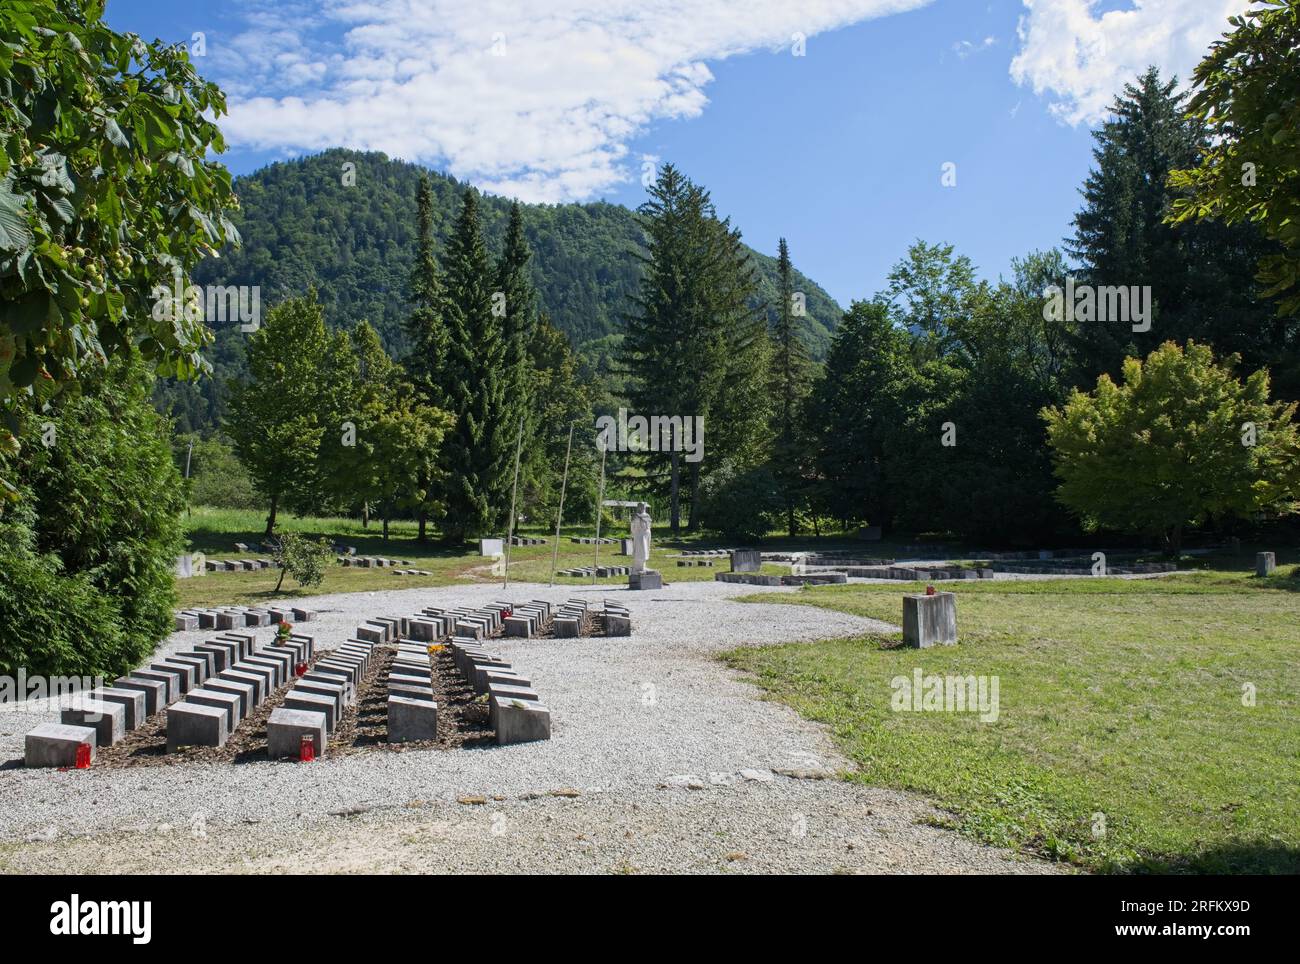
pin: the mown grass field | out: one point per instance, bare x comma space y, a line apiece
1123, 741
215, 532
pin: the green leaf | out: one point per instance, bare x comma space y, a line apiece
15, 233
115, 135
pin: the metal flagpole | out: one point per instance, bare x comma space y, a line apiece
555, 553
600, 498
510, 534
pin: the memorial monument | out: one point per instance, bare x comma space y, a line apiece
642, 577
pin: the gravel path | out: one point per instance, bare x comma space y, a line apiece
666, 761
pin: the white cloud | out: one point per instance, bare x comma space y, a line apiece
532, 98
964, 48
1081, 60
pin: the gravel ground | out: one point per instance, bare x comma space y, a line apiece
663, 759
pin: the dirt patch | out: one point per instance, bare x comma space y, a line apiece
462, 714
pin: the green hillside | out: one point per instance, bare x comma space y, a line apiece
301, 226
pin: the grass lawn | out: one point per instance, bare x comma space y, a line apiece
1122, 743
215, 532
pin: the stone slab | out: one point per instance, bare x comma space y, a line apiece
246, 691
108, 720
257, 677
286, 728
519, 721
194, 724
55, 744
297, 699
929, 620
154, 690
134, 701
411, 719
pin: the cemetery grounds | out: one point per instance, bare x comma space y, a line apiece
751, 732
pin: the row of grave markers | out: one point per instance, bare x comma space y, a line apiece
205, 691
238, 617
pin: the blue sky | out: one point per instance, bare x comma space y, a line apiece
841, 150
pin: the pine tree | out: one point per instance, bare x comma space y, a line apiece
789, 373
1202, 276
425, 327
517, 312
693, 346
479, 451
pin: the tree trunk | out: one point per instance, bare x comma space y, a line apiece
695, 520
365, 515
674, 505
789, 515
270, 518
280, 582
424, 522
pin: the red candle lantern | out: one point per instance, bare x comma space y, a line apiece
306, 749
83, 756
929, 590
300, 669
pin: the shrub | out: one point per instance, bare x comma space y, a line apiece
302, 558
89, 550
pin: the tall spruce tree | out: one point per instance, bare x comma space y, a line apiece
789, 374
426, 331
1201, 275
479, 450
516, 309
693, 345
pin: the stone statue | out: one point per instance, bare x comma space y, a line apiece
640, 538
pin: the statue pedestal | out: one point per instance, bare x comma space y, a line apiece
647, 579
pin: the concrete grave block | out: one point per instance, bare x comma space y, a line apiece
411, 719
279, 672
155, 691
414, 691
194, 724
223, 654
929, 620
519, 721
297, 699
187, 673
286, 728
336, 692
232, 703
205, 661
519, 626
56, 744
247, 693
108, 720
185, 623
1265, 563
257, 677
133, 700
746, 560
333, 679
352, 670
169, 678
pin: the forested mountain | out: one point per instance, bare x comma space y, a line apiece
302, 226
